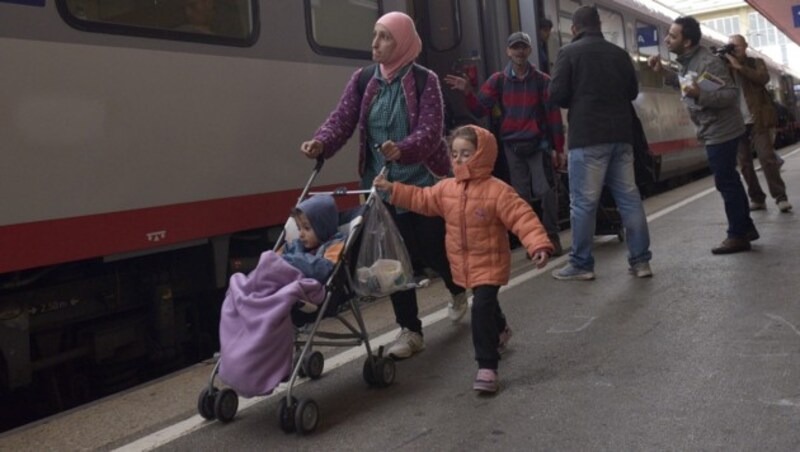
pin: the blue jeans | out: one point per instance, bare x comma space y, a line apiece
722, 160
589, 168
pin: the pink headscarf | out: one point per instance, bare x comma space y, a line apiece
408, 43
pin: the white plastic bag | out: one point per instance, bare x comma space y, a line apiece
383, 265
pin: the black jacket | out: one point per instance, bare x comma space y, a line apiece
596, 81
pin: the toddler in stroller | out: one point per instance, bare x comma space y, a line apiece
256, 333
304, 280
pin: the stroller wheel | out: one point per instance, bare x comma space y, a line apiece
286, 415
369, 371
313, 365
226, 403
306, 416
205, 403
385, 372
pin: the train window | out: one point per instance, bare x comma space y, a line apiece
342, 27
446, 33
647, 39
214, 21
568, 7
612, 27
647, 45
564, 28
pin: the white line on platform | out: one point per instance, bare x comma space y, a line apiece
196, 422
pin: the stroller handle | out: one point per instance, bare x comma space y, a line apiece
317, 167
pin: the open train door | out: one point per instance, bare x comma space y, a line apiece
466, 37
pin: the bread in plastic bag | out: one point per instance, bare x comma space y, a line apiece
383, 265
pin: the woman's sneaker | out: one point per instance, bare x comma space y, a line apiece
406, 344
457, 307
486, 381
505, 336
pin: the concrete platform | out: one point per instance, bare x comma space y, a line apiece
703, 356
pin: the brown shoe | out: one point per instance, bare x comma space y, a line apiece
732, 245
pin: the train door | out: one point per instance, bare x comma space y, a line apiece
460, 37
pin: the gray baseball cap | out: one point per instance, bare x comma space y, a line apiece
519, 36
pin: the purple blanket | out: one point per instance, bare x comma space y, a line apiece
255, 329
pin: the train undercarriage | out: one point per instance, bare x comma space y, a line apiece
76, 332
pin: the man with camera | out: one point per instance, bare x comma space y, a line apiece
714, 109
760, 117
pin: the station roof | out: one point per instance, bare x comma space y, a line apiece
778, 12
784, 14
690, 7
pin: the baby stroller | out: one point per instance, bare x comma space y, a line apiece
302, 415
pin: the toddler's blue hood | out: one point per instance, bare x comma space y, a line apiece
321, 212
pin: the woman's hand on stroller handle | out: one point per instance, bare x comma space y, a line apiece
389, 150
312, 148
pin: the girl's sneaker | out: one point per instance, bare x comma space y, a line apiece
486, 381
505, 336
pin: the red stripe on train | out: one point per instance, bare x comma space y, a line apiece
40, 243
666, 147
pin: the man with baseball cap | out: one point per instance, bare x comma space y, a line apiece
530, 127
519, 37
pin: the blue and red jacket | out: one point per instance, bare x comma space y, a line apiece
528, 114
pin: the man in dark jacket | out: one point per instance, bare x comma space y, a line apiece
715, 113
760, 117
596, 81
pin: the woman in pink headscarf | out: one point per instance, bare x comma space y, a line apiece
397, 107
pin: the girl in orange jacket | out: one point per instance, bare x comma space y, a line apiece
478, 210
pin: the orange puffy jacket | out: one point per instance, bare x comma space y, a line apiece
478, 209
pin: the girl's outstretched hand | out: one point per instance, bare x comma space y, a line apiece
382, 184
540, 258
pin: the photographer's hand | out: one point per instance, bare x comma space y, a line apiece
733, 61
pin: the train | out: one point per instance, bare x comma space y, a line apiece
151, 149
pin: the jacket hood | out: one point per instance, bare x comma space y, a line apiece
481, 164
686, 57
322, 214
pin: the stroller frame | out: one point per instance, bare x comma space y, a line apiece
302, 415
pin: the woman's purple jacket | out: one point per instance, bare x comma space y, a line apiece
424, 144
255, 329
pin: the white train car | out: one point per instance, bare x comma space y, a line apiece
146, 147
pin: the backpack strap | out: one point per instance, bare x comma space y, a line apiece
420, 78
543, 126
498, 88
367, 72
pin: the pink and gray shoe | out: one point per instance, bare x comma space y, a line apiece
486, 381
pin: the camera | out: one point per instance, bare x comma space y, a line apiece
727, 49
